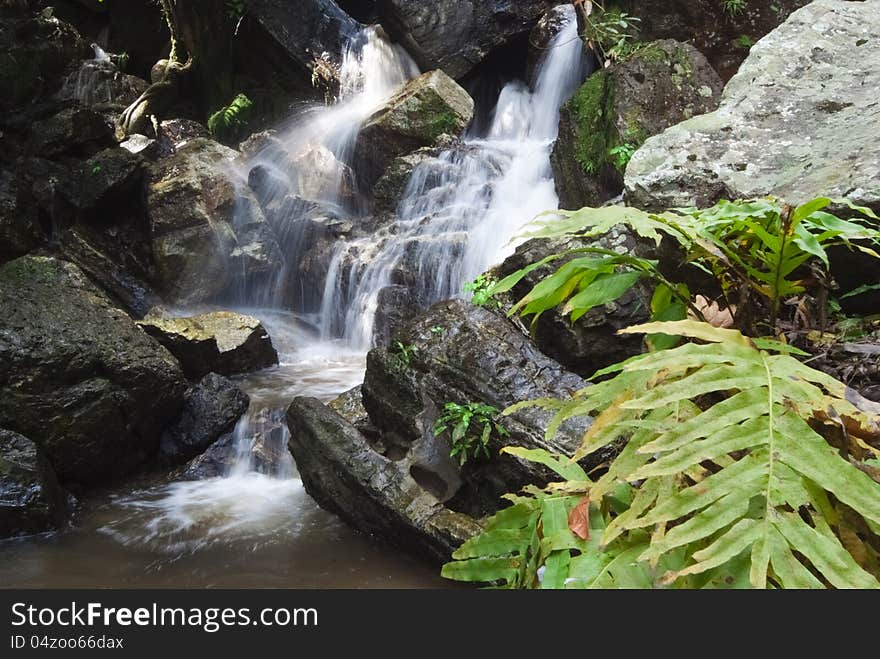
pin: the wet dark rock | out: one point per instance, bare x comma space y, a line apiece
20, 228
108, 179
73, 131
219, 341
306, 28
391, 186
77, 376
204, 225
621, 106
31, 501
114, 258
592, 342
35, 50
345, 475
395, 305
460, 353
455, 35
427, 108
211, 408
177, 133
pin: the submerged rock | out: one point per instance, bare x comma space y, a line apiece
210, 410
77, 376
618, 108
455, 35
31, 501
426, 108
204, 227
347, 476
219, 341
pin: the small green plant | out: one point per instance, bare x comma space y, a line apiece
621, 155
405, 352
96, 169
437, 330
481, 290
745, 42
472, 425
226, 122
735, 7
611, 32
235, 9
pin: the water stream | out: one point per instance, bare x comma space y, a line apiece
253, 525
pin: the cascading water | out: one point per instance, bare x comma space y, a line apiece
461, 209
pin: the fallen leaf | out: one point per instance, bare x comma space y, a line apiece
713, 313
579, 519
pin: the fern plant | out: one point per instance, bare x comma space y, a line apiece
472, 426
226, 122
761, 252
733, 481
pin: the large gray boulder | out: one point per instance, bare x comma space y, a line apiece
77, 376
799, 120
427, 108
621, 106
204, 227
343, 472
31, 501
222, 342
455, 35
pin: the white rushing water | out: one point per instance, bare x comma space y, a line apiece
457, 216
461, 209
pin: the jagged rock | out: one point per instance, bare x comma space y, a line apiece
619, 107
345, 475
77, 376
455, 35
350, 406
31, 501
219, 341
177, 133
35, 50
204, 227
395, 305
461, 353
797, 122
211, 408
722, 33
426, 108
592, 342
73, 131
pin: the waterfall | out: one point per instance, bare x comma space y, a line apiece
456, 218
461, 208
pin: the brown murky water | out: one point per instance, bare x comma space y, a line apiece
244, 530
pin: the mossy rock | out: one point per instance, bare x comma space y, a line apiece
620, 107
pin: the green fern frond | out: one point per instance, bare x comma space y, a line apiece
227, 120
773, 482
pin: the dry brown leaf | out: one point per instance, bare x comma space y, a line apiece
713, 313
579, 519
